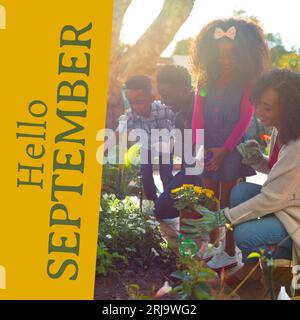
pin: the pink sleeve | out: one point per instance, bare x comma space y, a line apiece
246, 114
197, 121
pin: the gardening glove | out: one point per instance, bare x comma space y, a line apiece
251, 153
210, 221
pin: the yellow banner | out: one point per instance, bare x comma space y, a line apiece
54, 74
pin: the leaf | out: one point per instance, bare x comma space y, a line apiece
254, 255
208, 273
202, 294
183, 296
177, 289
179, 275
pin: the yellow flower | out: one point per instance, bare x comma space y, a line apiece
187, 186
198, 190
209, 193
176, 190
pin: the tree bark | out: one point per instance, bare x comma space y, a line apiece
142, 57
120, 8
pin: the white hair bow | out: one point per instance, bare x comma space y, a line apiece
230, 33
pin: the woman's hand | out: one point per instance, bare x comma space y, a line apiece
250, 152
217, 157
211, 220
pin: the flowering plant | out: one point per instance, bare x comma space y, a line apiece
189, 196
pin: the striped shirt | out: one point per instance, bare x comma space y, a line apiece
161, 117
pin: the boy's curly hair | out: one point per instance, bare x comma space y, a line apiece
287, 84
175, 75
250, 50
139, 82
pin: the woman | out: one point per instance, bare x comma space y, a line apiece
277, 202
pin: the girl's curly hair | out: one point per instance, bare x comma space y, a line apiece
287, 85
249, 46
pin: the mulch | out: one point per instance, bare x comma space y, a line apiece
149, 278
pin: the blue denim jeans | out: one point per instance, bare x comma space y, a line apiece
164, 205
165, 172
260, 233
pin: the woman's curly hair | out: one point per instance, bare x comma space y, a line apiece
249, 46
287, 85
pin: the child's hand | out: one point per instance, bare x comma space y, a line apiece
217, 157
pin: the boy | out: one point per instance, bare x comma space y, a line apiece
175, 89
145, 113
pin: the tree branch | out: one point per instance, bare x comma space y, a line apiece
120, 8
158, 36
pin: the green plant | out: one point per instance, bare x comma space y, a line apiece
130, 181
267, 265
106, 260
130, 172
194, 277
128, 231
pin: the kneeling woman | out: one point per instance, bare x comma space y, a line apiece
268, 215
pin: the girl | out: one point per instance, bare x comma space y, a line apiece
227, 57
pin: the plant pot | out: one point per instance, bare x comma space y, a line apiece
188, 214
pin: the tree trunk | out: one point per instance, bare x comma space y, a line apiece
142, 57
120, 8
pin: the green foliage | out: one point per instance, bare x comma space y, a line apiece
106, 260
280, 56
182, 47
124, 231
193, 278
130, 173
274, 40
245, 15
276, 53
267, 265
129, 183
290, 61
129, 232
